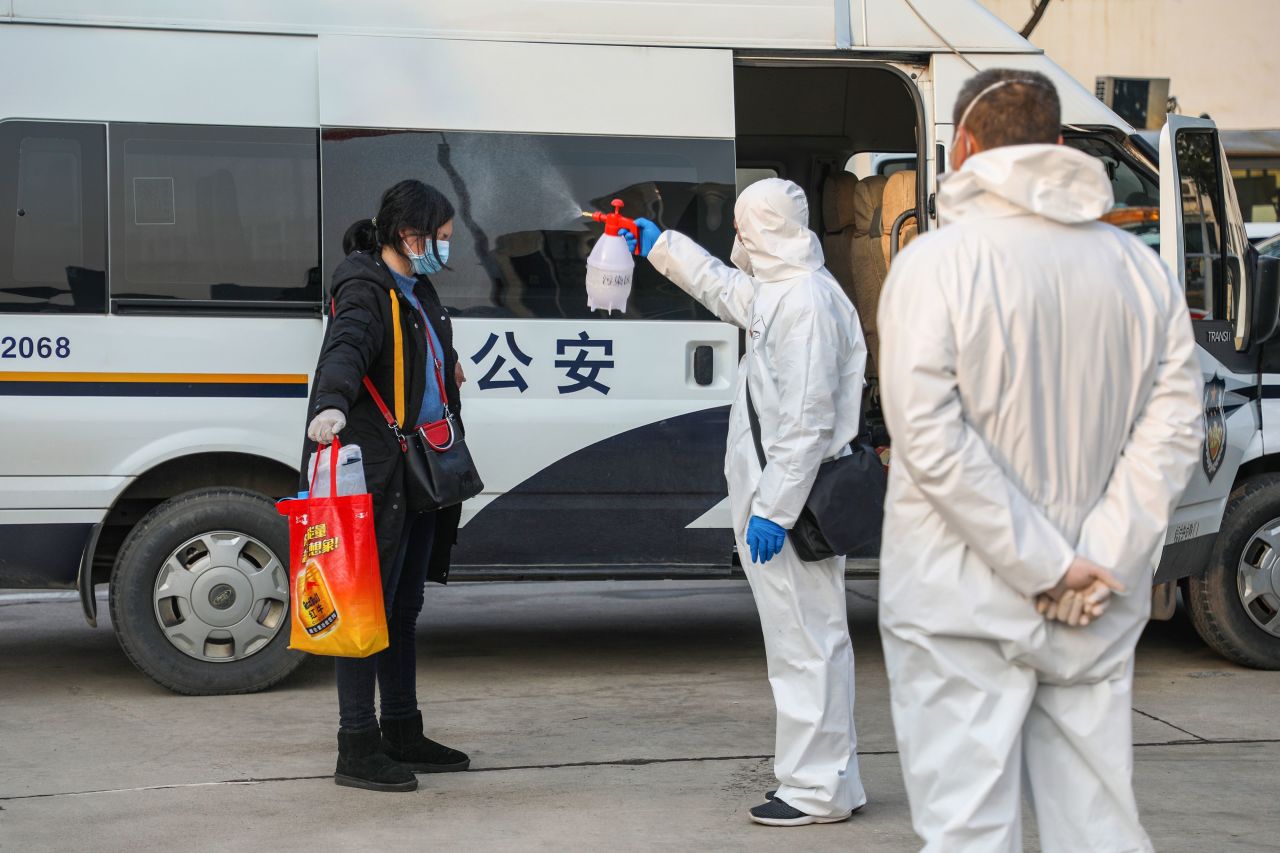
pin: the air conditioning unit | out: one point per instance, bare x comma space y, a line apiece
1141, 101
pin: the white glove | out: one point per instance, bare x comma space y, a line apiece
325, 426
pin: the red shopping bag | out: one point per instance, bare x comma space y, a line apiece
334, 575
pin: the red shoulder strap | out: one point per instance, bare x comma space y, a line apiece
382, 406
428, 333
373, 392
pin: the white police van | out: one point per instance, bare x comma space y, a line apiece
175, 180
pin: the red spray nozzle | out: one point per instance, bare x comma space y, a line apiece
615, 222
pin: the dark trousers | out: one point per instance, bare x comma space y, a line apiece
395, 669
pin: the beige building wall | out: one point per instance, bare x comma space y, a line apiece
1222, 56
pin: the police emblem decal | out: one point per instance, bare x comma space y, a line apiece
1215, 426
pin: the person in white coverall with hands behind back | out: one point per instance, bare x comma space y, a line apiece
1041, 387
804, 366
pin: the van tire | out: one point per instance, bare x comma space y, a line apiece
134, 592
1213, 598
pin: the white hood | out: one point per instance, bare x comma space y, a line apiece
1040, 379
772, 217
1052, 181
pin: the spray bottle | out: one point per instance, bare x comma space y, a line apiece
611, 267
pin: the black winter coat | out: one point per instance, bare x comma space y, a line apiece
358, 343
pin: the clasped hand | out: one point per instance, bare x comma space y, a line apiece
1081, 596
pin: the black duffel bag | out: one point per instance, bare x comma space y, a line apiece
845, 508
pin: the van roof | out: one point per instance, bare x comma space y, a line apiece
916, 26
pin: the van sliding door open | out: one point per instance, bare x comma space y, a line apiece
848, 132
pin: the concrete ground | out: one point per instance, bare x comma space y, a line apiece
610, 716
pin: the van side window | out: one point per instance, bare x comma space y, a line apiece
53, 215
520, 242
213, 217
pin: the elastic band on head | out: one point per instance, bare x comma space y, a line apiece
978, 97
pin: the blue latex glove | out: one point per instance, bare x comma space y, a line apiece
649, 234
764, 538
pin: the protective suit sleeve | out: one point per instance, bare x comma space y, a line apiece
726, 291
942, 454
803, 355
1127, 525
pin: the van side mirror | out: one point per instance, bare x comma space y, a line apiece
1266, 301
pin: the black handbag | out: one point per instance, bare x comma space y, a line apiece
439, 469
441, 473
845, 508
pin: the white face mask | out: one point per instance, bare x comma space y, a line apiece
740, 257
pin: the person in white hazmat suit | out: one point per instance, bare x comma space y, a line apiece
804, 364
1041, 386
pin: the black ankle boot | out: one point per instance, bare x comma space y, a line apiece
402, 739
363, 764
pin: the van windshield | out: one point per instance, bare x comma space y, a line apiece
1137, 194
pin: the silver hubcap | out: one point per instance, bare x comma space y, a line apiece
221, 596
1258, 578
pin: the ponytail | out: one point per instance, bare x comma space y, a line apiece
362, 236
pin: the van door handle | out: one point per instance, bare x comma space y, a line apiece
704, 364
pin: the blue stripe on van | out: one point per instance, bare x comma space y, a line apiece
279, 390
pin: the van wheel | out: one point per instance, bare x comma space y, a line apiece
200, 594
1235, 604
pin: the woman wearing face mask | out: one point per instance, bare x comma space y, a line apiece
382, 284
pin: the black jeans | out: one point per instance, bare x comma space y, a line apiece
395, 669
